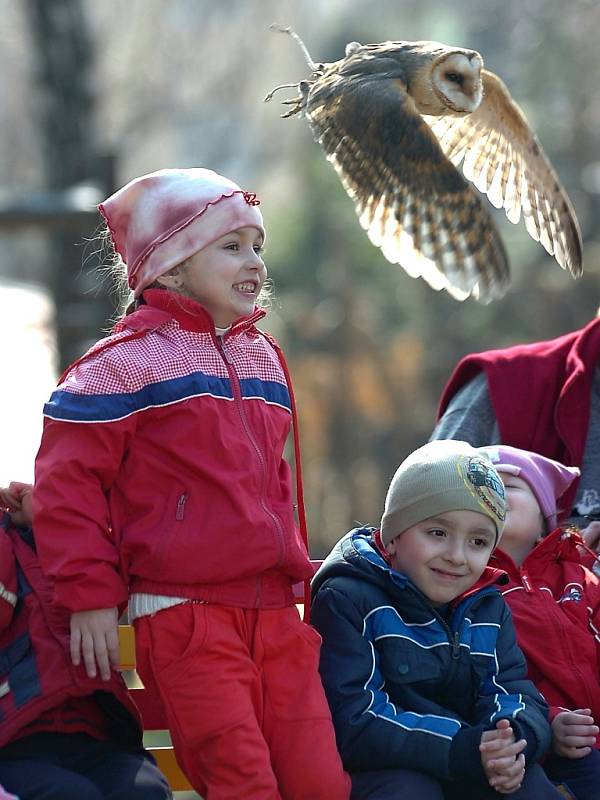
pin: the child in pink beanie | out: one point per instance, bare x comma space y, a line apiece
555, 603
161, 480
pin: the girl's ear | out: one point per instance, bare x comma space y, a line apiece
172, 279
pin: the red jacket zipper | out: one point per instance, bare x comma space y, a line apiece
237, 396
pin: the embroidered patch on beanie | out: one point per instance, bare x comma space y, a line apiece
441, 476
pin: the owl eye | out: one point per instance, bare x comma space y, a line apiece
454, 77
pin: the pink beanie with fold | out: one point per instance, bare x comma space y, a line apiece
160, 219
547, 479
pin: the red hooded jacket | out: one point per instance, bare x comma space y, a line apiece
40, 689
555, 603
161, 466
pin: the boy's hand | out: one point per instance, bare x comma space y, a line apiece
574, 733
95, 634
502, 758
16, 498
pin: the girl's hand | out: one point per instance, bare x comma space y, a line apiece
16, 499
574, 733
502, 758
95, 635
591, 535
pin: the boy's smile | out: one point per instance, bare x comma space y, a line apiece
445, 555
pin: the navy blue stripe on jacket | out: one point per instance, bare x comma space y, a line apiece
71, 407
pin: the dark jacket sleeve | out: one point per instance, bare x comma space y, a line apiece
372, 732
508, 694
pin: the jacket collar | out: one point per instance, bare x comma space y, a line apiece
162, 305
561, 544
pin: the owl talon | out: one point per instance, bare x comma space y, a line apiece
271, 94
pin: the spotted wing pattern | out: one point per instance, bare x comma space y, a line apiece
502, 157
411, 200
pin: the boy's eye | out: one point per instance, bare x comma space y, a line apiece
437, 532
478, 542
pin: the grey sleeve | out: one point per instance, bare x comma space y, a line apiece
470, 416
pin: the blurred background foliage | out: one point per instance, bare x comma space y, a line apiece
95, 93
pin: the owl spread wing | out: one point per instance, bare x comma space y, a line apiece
501, 155
411, 200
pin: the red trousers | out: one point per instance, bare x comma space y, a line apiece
244, 701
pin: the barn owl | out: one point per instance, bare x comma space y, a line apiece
396, 120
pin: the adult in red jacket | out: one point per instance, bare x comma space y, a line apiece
63, 735
555, 604
543, 397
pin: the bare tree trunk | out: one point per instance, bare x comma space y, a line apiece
64, 105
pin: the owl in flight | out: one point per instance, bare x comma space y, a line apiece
396, 120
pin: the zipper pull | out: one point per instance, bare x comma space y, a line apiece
221, 348
526, 583
456, 645
180, 513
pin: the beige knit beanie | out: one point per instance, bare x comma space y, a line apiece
444, 475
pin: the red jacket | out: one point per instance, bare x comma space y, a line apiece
555, 603
161, 466
540, 393
40, 689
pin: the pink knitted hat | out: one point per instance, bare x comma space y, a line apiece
547, 479
158, 220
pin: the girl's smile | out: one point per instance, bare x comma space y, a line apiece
226, 276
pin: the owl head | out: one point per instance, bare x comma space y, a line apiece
456, 80
445, 81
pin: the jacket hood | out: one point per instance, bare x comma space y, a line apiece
356, 554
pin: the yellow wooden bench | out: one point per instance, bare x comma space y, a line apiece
151, 708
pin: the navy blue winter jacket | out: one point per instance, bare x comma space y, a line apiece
408, 687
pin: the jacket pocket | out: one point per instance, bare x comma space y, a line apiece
407, 663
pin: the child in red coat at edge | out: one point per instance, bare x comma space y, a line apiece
63, 735
555, 603
161, 474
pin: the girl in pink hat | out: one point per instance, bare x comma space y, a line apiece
161, 481
555, 603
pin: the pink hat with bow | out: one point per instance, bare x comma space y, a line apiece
160, 219
547, 479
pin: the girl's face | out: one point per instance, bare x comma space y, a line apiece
524, 521
444, 555
226, 276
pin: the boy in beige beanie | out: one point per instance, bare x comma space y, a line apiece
426, 683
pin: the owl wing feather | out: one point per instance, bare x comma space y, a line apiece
411, 200
503, 158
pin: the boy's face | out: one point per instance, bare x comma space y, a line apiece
524, 521
446, 554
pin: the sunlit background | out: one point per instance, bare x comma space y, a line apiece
95, 93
